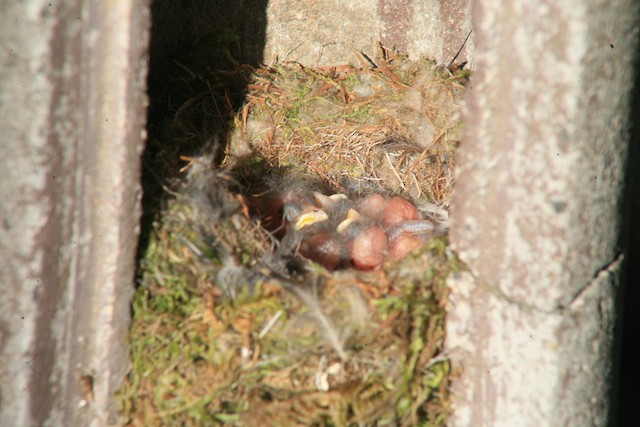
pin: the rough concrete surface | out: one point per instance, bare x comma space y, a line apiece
326, 33
537, 211
72, 102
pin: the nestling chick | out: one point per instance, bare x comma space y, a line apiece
365, 241
269, 209
405, 229
319, 240
337, 232
325, 249
397, 210
369, 248
301, 219
408, 236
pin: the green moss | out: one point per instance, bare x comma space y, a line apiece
192, 372
219, 339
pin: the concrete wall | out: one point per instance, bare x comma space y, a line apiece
320, 33
538, 212
72, 103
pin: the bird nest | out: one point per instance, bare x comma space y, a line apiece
239, 318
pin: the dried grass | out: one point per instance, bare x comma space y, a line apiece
227, 331
395, 126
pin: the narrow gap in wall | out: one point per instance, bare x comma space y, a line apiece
197, 46
294, 254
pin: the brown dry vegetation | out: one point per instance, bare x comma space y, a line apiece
227, 331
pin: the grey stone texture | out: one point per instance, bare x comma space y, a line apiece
325, 33
537, 212
72, 115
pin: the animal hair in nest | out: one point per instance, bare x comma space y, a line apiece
250, 254
222, 223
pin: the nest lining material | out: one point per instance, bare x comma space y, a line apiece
227, 331
394, 127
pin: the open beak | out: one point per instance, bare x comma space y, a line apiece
310, 218
328, 202
352, 216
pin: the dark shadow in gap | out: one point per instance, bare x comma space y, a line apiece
627, 404
201, 54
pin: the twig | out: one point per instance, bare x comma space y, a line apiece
270, 324
459, 50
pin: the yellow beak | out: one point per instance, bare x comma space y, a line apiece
310, 218
352, 216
